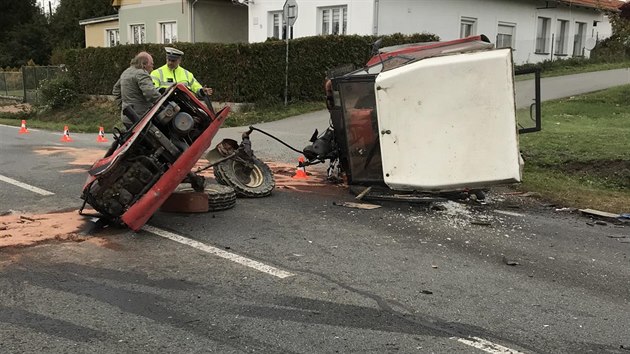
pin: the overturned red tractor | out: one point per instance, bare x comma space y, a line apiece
147, 163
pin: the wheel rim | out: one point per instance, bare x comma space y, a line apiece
251, 178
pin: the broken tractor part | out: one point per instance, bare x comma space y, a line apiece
185, 199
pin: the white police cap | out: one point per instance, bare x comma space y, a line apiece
172, 53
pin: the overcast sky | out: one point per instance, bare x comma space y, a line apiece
44, 4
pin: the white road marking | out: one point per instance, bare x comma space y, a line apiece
25, 186
511, 213
219, 252
486, 346
11, 126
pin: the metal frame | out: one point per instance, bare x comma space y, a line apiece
537, 99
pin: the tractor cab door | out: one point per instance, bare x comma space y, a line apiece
449, 122
359, 146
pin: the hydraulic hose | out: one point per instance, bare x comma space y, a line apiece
252, 128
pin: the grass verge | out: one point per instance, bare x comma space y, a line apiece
271, 113
581, 157
85, 117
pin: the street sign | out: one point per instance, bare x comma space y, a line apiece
290, 12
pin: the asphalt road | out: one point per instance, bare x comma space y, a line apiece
296, 273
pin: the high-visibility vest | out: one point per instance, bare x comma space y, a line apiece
165, 77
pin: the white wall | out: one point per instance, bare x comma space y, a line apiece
439, 17
360, 17
443, 18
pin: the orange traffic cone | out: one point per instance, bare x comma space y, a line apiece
300, 173
101, 136
23, 129
66, 135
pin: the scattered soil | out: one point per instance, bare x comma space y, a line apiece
20, 230
81, 157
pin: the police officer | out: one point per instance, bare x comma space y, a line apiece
172, 73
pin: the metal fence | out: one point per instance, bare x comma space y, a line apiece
11, 84
33, 77
26, 82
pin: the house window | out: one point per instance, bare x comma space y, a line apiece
113, 37
542, 35
467, 27
168, 32
137, 34
275, 25
334, 20
505, 35
561, 37
578, 40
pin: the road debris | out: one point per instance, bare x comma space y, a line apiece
354, 205
510, 213
362, 194
510, 262
599, 213
568, 210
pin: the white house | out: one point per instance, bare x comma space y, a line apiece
536, 29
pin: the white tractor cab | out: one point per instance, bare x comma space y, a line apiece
429, 117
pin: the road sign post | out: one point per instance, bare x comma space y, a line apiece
289, 12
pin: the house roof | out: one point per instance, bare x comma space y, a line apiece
89, 21
595, 4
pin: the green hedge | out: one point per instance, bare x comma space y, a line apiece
238, 72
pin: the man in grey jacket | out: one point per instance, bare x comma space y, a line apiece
135, 88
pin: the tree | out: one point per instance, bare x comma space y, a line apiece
24, 33
617, 47
65, 21
14, 13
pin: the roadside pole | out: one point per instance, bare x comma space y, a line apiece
286, 73
289, 12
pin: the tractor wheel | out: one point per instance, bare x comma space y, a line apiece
219, 197
218, 176
255, 183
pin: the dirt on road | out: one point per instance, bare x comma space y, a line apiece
19, 230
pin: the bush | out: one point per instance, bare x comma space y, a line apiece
238, 72
58, 92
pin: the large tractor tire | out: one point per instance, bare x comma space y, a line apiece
218, 176
256, 183
219, 197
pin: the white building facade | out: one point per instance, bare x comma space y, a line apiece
536, 30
